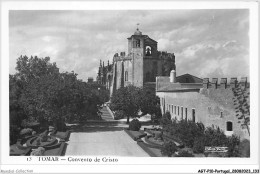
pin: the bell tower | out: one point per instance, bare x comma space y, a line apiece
136, 50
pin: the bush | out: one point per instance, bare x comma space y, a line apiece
26, 132
14, 134
168, 148
215, 137
184, 153
244, 148
59, 124
233, 146
199, 146
165, 121
167, 115
135, 125
38, 152
119, 114
158, 135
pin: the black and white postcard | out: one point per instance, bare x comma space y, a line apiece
129, 87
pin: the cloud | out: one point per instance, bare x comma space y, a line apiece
207, 43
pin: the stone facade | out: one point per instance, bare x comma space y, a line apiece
139, 67
210, 103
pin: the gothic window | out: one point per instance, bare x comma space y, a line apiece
126, 76
137, 43
229, 126
148, 51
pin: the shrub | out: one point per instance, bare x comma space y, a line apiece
26, 132
186, 131
44, 136
135, 125
119, 114
24, 123
199, 146
14, 133
233, 146
184, 153
38, 152
60, 125
168, 148
165, 121
158, 135
33, 132
244, 148
167, 115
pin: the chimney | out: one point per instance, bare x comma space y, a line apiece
173, 76
223, 83
233, 82
206, 83
243, 82
214, 83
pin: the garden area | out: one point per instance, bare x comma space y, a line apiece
42, 101
185, 139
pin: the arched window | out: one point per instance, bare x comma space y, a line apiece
138, 43
148, 51
126, 76
229, 126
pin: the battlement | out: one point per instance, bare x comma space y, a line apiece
120, 57
165, 55
223, 83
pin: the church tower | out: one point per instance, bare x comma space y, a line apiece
136, 51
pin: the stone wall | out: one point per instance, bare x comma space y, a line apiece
212, 107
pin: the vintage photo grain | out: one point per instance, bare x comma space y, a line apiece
167, 83
87, 84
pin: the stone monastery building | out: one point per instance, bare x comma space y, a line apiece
139, 67
186, 96
210, 103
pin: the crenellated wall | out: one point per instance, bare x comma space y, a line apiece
221, 83
212, 103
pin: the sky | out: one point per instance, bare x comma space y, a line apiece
206, 43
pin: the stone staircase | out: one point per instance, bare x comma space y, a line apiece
106, 116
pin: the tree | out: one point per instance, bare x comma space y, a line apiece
168, 65
126, 99
168, 148
51, 97
242, 106
150, 103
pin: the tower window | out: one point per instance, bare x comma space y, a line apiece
229, 126
137, 43
126, 76
148, 51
